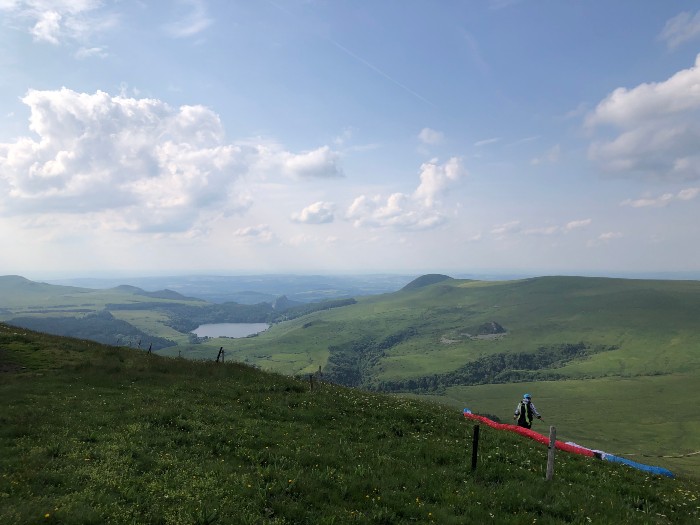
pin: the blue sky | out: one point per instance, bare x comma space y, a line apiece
308, 136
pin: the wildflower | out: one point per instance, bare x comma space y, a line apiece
47, 515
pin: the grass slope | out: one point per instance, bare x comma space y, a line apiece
98, 434
652, 322
640, 398
652, 419
123, 315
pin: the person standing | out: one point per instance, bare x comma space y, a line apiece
525, 411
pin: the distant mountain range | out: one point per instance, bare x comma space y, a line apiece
255, 289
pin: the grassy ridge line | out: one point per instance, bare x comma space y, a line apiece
159, 319
20, 294
633, 400
96, 434
652, 322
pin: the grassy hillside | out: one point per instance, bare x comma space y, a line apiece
99, 315
650, 419
597, 353
98, 434
652, 324
130, 316
637, 336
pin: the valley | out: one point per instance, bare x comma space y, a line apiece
614, 363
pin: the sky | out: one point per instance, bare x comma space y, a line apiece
349, 137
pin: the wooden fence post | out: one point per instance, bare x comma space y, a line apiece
550, 452
475, 446
311, 381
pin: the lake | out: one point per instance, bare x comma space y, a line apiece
230, 329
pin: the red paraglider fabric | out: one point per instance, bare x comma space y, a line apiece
567, 447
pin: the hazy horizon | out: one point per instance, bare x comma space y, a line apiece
476, 274
529, 138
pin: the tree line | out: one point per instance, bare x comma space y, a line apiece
351, 364
102, 327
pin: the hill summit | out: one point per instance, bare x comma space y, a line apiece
426, 280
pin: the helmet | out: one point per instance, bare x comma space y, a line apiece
527, 396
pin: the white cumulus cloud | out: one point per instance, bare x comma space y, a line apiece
140, 164
319, 163
436, 178
317, 213
656, 126
417, 211
47, 27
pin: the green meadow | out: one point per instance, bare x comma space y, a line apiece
635, 397
613, 363
93, 434
651, 420
652, 322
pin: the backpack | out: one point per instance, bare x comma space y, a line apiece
525, 417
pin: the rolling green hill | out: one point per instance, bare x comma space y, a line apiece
581, 345
628, 327
101, 434
614, 363
129, 316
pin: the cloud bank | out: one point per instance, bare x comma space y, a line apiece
657, 128
138, 164
417, 211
